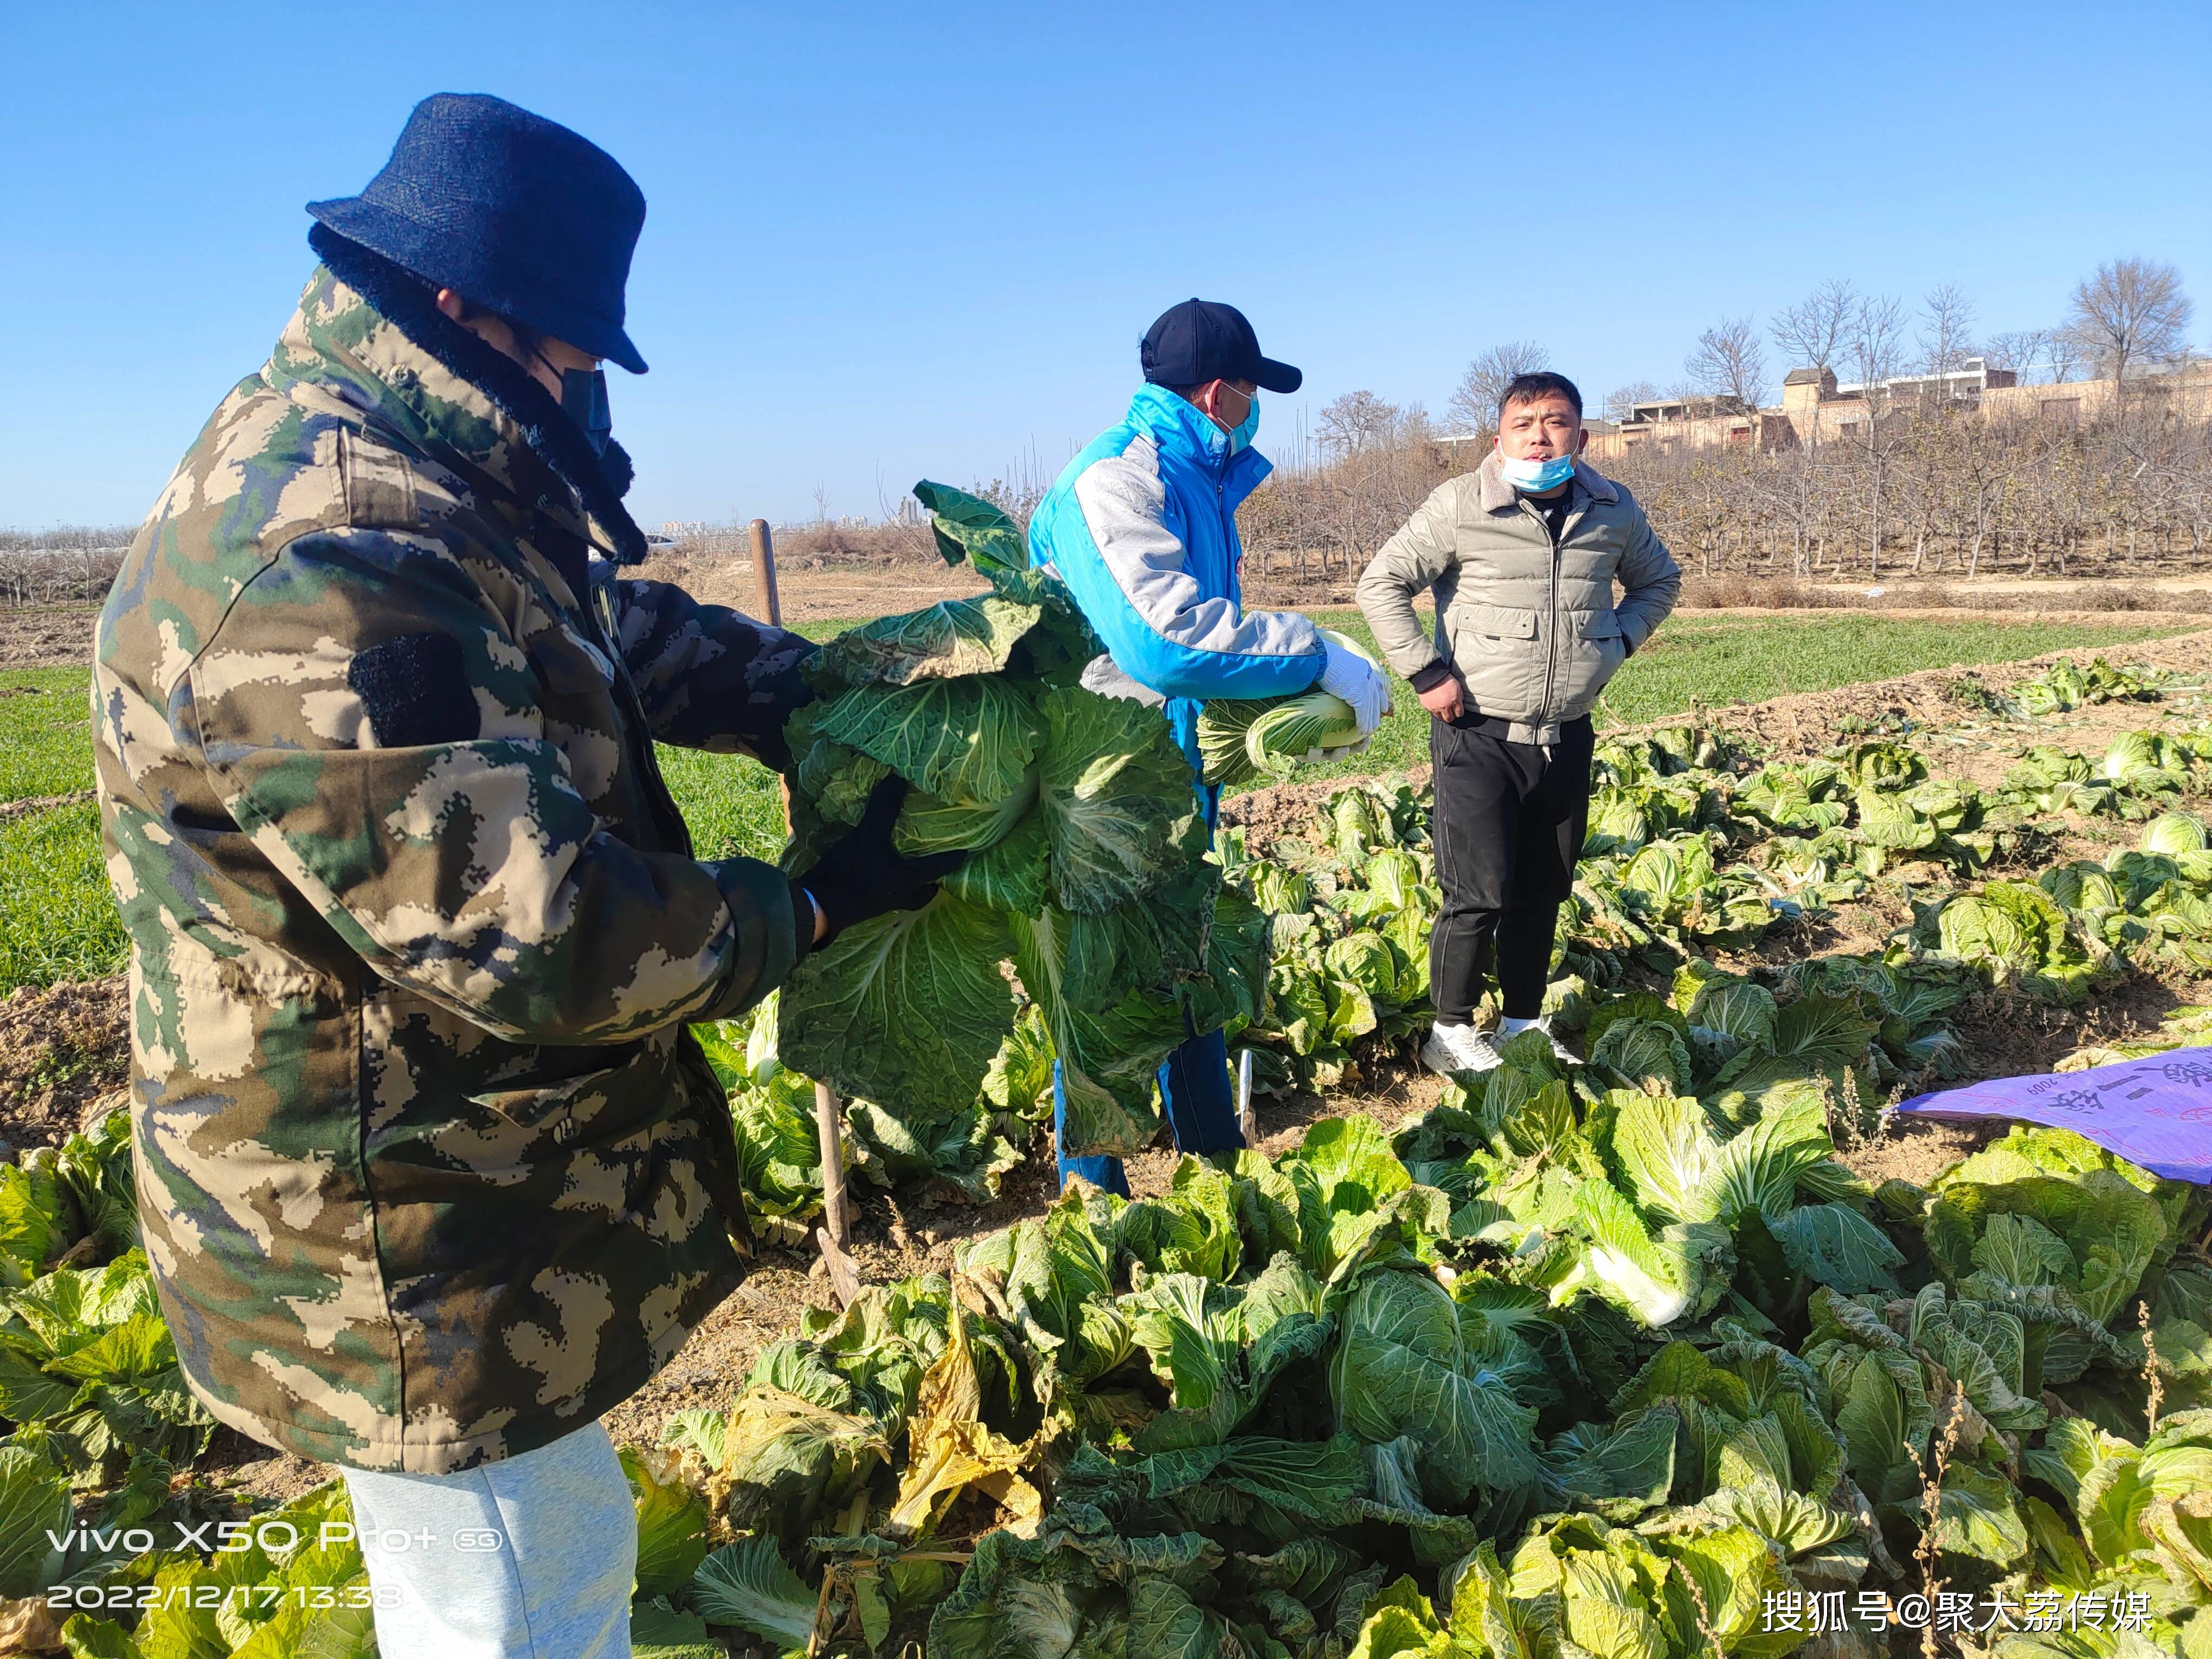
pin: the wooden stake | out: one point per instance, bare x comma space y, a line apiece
1247, 1124
828, 1119
764, 572
844, 1277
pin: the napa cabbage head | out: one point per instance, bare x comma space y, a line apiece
1394, 877
1239, 739
1656, 1276
2016, 932
2173, 833
2138, 758
1277, 889
2081, 885
2046, 1206
1644, 1051
1410, 1360
1617, 820
1882, 763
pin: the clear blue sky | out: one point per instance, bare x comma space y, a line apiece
887, 242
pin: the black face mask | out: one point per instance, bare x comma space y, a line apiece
584, 400
583, 397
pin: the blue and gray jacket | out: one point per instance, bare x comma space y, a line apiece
1142, 527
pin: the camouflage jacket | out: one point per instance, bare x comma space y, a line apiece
429, 1169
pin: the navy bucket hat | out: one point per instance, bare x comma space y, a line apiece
516, 212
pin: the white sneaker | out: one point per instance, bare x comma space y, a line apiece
1458, 1048
1542, 1022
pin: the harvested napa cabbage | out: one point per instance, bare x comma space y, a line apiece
1090, 872
1241, 738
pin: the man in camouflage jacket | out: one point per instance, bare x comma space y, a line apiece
430, 1171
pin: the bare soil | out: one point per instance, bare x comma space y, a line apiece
1928, 705
812, 588
63, 1051
1918, 1149
819, 588
47, 636
30, 804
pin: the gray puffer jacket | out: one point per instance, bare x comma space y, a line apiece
1533, 630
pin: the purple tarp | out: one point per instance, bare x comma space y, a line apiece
2156, 1111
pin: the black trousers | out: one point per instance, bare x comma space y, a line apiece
1508, 830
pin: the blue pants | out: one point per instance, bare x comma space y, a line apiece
1194, 1093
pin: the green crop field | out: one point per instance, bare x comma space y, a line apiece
57, 921
45, 732
1713, 660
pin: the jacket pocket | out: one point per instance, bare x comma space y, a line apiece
1499, 658
1594, 657
574, 1085
1498, 622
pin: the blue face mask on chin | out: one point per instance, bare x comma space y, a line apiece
1241, 434
1536, 476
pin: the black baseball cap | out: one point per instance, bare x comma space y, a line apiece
1205, 340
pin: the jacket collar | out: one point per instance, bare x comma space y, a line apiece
1179, 427
374, 335
1498, 494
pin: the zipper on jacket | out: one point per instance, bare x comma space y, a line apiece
1551, 626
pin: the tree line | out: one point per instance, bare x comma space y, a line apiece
1924, 488
2127, 316
1945, 490
70, 564
1927, 485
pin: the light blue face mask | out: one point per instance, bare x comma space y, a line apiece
1536, 476
1240, 436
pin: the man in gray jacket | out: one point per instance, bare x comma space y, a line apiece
1523, 555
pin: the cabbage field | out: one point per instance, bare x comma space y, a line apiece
1646, 1354
1617, 1358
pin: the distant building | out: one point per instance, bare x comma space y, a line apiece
1816, 408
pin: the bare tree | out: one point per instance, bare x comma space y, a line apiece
1729, 363
71, 562
1475, 403
1342, 491
2132, 311
2065, 347
1358, 420
1876, 348
2002, 487
1946, 326
2021, 350
1622, 400
1812, 332
1873, 342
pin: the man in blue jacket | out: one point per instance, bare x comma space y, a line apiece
1142, 527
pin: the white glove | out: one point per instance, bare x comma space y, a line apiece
1348, 675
